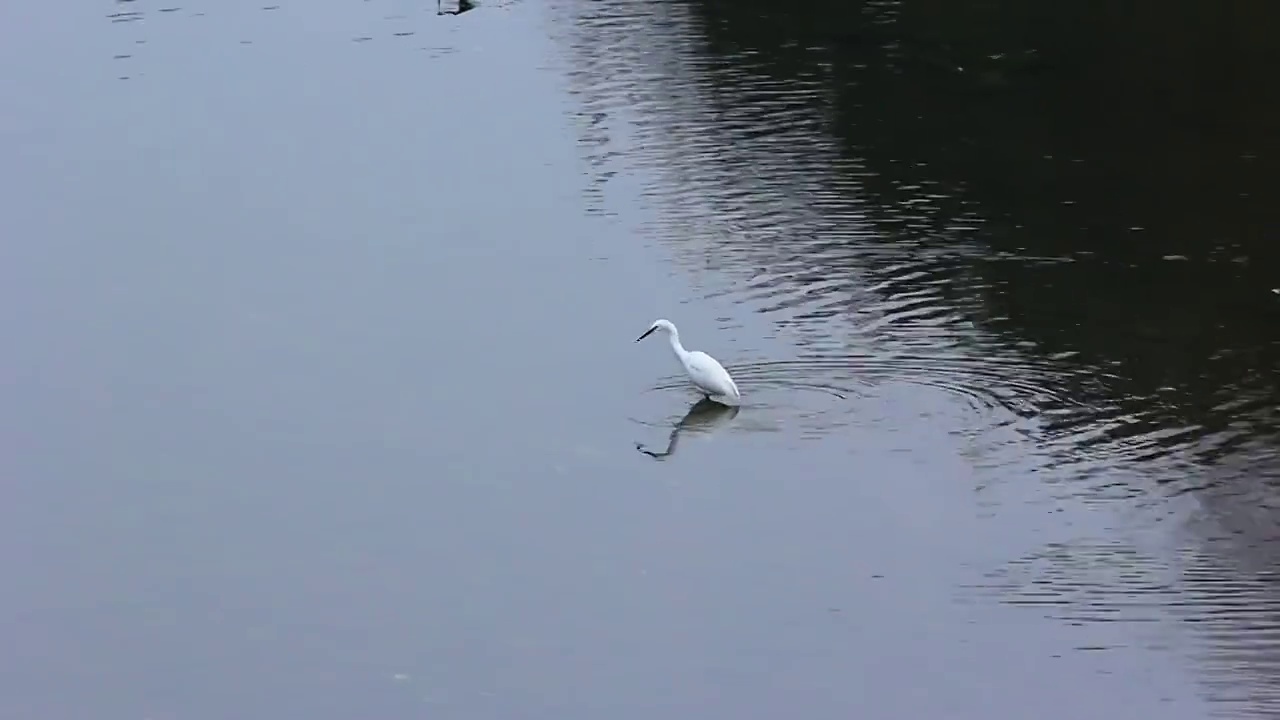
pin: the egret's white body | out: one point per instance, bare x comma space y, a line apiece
707, 375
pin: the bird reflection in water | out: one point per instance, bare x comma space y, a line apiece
703, 417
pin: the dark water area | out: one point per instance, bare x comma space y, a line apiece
1088, 218
320, 395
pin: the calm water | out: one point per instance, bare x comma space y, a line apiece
321, 398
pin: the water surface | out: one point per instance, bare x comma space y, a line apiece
322, 397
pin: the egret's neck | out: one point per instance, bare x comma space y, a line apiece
673, 337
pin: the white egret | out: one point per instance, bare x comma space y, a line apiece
707, 375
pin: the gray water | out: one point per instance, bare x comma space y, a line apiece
321, 400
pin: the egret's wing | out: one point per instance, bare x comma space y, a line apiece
710, 375
732, 384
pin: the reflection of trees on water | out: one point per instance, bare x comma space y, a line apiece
1113, 139
881, 134
1130, 135
1222, 585
739, 169
1092, 184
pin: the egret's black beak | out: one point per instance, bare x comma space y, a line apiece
647, 333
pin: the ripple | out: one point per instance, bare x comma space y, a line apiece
1124, 595
1085, 582
778, 392
775, 374
826, 391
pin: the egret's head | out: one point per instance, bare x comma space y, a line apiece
664, 325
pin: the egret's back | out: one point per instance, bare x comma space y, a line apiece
711, 377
